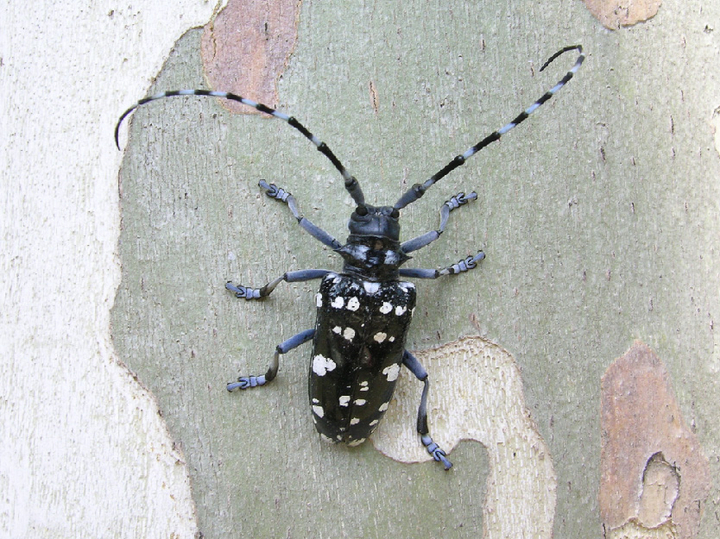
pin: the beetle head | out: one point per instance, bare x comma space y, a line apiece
381, 222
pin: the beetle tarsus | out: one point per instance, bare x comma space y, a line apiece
434, 449
463, 265
247, 382
244, 292
273, 191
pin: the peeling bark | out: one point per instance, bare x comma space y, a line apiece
614, 14
654, 472
246, 48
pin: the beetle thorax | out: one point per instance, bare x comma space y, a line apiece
373, 246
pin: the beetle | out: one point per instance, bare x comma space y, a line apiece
363, 311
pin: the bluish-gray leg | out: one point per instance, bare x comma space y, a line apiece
248, 293
421, 241
278, 193
411, 362
467, 264
245, 382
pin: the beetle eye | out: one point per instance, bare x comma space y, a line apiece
361, 210
395, 213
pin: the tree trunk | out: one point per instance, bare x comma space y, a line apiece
598, 217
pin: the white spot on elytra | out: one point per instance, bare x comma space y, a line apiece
386, 307
359, 402
391, 339
356, 442
337, 329
371, 287
318, 411
349, 333
344, 400
373, 422
315, 401
355, 421
322, 365
338, 302
379, 337
327, 439
400, 310
392, 372
383, 407
353, 304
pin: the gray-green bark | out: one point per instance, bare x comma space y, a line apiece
599, 218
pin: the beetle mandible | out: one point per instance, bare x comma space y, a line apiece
364, 311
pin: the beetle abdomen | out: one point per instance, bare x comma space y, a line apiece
357, 353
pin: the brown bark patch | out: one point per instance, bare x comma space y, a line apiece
246, 47
653, 470
614, 14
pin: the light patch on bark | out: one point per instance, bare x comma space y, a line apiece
477, 394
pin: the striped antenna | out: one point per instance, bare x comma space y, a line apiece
351, 184
418, 190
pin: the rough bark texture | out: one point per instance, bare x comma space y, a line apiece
599, 218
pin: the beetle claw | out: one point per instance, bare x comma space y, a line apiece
434, 449
440, 456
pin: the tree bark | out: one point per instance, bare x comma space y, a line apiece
598, 216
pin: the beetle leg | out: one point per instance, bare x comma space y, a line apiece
421, 241
273, 191
462, 266
412, 363
245, 382
289, 277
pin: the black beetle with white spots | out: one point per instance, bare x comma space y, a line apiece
363, 311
